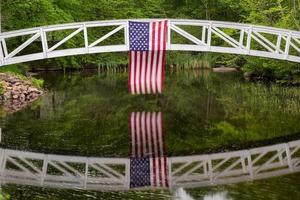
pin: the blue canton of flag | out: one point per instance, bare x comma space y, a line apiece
139, 36
139, 172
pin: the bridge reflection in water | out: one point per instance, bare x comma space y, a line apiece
92, 173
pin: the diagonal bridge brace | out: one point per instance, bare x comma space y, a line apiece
65, 39
187, 35
23, 46
106, 36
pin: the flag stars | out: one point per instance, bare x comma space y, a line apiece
139, 36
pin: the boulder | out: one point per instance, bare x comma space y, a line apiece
22, 97
32, 89
17, 93
224, 69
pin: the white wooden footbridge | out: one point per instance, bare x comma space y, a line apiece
212, 36
91, 173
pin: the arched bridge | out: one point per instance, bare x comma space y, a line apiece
196, 35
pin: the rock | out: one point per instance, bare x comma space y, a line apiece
224, 69
13, 80
22, 97
21, 88
17, 93
14, 92
28, 97
14, 88
17, 84
32, 89
34, 95
7, 95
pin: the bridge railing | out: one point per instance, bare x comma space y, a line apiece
211, 36
240, 39
90, 173
233, 167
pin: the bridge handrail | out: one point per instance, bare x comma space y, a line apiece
124, 21
284, 44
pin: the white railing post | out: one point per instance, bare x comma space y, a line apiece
169, 161
127, 174
169, 36
287, 46
242, 34
209, 36
44, 42
278, 43
1, 54
86, 172
126, 35
86, 39
288, 157
44, 169
210, 169
2, 160
203, 34
250, 165
249, 37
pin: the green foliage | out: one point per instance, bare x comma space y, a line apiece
15, 69
1, 88
37, 82
4, 196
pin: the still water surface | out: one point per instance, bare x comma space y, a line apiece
87, 114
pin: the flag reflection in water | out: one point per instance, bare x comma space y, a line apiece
148, 161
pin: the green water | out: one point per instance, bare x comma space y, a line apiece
87, 113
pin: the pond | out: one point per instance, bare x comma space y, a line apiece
88, 114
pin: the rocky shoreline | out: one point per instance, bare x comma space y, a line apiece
17, 93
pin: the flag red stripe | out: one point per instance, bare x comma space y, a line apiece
137, 136
139, 121
146, 135
152, 55
157, 137
130, 144
153, 150
133, 134
146, 72
159, 153
135, 70
129, 72
159, 54
141, 67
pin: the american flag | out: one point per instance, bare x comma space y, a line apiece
148, 163
147, 42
